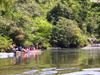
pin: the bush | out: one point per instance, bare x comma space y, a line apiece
5, 43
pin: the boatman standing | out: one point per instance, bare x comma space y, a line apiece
14, 51
36, 46
13, 48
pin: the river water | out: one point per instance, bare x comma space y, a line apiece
63, 61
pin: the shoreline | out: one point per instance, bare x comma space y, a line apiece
93, 46
88, 47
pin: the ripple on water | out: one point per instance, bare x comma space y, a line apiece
83, 73
14, 74
92, 69
46, 69
30, 72
48, 72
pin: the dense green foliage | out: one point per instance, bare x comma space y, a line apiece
64, 23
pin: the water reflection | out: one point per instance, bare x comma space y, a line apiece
63, 57
74, 58
24, 58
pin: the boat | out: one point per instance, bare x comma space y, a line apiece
19, 53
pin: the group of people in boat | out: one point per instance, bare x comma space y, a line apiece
22, 48
17, 49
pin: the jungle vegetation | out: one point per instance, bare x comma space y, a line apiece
63, 23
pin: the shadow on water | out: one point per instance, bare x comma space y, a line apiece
64, 60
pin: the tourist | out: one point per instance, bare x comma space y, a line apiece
13, 48
36, 46
20, 48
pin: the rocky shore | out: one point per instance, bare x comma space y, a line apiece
93, 46
50, 48
89, 47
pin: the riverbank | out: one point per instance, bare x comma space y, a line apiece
93, 46
51, 48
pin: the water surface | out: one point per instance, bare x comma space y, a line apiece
64, 60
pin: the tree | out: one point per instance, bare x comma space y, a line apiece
67, 34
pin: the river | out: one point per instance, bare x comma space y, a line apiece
63, 61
